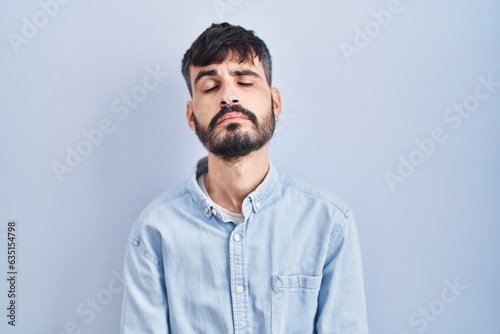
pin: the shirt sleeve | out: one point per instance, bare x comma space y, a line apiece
144, 308
341, 304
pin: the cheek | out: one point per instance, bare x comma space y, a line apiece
261, 107
201, 111
261, 98
204, 117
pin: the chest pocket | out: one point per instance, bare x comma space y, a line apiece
294, 303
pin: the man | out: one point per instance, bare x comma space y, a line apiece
239, 247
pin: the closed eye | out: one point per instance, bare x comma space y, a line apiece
210, 89
245, 83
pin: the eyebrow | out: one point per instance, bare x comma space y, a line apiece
241, 73
235, 73
204, 74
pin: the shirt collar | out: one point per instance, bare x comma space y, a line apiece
254, 202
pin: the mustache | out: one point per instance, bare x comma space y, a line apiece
233, 108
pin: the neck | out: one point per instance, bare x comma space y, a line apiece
228, 183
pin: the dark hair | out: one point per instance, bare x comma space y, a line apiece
221, 39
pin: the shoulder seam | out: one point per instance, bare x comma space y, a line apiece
151, 258
155, 205
317, 195
144, 252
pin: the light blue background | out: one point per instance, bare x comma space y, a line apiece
345, 125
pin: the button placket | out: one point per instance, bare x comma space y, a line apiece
238, 280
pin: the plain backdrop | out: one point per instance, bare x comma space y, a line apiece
365, 87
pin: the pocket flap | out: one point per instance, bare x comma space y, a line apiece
296, 282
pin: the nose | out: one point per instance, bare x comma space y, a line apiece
229, 95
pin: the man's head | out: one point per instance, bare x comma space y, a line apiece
233, 107
220, 41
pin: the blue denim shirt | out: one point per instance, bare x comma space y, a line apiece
292, 266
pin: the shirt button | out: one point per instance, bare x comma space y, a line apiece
257, 204
239, 289
207, 210
214, 212
236, 237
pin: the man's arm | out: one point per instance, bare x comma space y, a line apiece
144, 308
342, 306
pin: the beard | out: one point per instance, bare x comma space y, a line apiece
233, 142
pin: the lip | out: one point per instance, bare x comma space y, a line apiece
231, 116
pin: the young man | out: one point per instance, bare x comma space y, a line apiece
240, 247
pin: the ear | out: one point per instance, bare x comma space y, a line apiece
275, 93
190, 115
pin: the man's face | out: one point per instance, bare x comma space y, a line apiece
233, 109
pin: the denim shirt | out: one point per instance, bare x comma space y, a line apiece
292, 266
